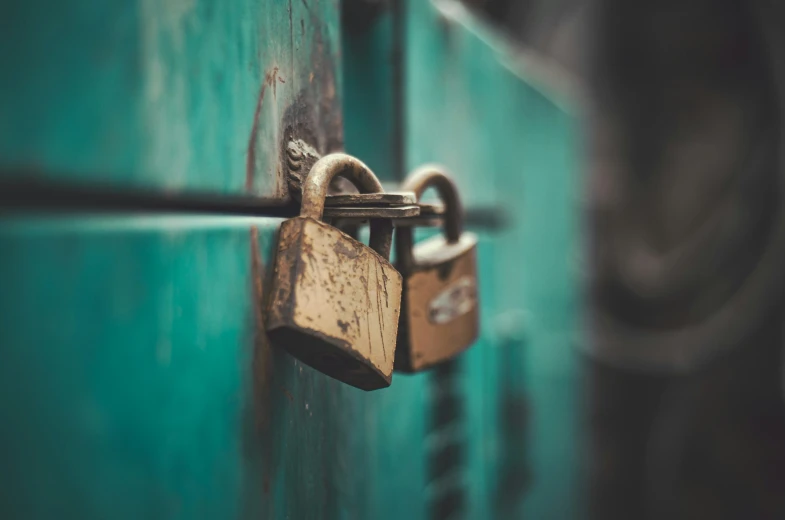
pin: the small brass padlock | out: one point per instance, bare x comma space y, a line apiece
439, 311
335, 302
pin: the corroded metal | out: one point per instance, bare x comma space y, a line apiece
431, 215
300, 158
314, 190
366, 212
396, 198
440, 313
336, 302
418, 222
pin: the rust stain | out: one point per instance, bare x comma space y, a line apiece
250, 161
256, 266
270, 78
288, 394
341, 248
333, 308
261, 354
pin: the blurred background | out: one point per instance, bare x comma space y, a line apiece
620, 162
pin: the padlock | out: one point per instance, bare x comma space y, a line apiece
335, 302
439, 308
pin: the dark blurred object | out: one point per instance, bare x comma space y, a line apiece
687, 259
685, 191
686, 254
446, 444
553, 28
708, 445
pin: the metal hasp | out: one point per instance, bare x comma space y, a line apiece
339, 201
440, 314
398, 198
430, 215
364, 213
335, 301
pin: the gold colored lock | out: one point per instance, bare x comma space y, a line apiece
335, 302
439, 310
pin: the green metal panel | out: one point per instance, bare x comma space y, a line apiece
137, 382
510, 147
168, 95
468, 104
371, 66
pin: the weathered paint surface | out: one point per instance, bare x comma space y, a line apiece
371, 47
509, 147
137, 381
169, 95
496, 435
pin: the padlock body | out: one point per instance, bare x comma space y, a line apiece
334, 304
439, 310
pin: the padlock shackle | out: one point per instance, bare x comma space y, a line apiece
434, 176
322, 173
318, 181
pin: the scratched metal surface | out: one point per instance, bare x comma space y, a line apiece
170, 95
336, 303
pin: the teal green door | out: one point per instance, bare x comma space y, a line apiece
136, 378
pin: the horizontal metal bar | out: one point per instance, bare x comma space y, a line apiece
23, 192
366, 212
19, 195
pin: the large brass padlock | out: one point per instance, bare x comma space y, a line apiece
439, 311
335, 302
